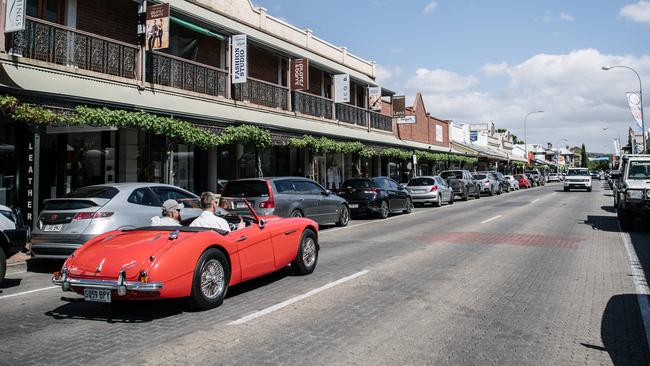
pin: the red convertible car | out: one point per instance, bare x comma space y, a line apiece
196, 263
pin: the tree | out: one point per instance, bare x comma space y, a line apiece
584, 160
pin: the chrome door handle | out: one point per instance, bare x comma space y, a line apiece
290, 232
242, 239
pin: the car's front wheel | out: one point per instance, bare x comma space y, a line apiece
409, 206
384, 210
344, 216
211, 278
307, 256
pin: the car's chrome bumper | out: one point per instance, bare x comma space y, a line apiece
121, 285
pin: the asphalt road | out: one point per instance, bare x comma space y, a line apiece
532, 277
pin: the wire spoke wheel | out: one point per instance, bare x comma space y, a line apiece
212, 279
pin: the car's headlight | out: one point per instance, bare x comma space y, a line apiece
647, 194
634, 194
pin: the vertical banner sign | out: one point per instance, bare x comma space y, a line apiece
634, 100
300, 74
374, 98
439, 137
342, 88
15, 15
239, 58
29, 180
157, 27
399, 106
617, 147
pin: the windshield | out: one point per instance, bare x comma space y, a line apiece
422, 182
452, 174
246, 188
93, 192
357, 183
639, 170
480, 176
234, 206
582, 172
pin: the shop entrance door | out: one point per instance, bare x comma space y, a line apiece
320, 170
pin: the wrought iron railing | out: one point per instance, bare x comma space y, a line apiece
351, 114
168, 70
51, 42
381, 121
312, 105
262, 93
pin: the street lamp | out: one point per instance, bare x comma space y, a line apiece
606, 68
525, 136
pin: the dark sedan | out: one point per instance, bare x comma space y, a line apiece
14, 234
378, 196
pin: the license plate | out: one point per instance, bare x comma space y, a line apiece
354, 205
95, 295
52, 227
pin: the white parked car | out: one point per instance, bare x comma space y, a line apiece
553, 177
514, 184
577, 178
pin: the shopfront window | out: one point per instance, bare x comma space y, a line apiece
152, 153
50, 10
184, 167
7, 164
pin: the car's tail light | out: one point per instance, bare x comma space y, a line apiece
92, 215
371, 190
270, 203
433, 189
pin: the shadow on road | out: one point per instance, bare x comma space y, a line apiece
44, 265
609, 209
259, 282
622, 332
602, 223
10, 282
118, 311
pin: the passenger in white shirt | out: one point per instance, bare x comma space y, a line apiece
208, 218
171, 214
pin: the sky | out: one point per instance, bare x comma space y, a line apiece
477, 61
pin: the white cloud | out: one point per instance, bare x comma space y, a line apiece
430, 7
386, 74
578, 97
566, 17
549, 17
639, 12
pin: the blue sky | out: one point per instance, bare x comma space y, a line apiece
479, 61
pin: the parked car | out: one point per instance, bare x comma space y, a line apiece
531, 179
180, 262
377, 196
577, 178
430, 189
595, 175
523, 181
489, 183
633, 190
291, 197
503, 184
68, 222
14, 234
538, 178
463, 183
514, 184
553, 177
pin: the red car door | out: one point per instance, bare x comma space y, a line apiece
285, 236
255, 251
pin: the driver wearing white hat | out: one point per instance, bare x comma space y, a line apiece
171, 214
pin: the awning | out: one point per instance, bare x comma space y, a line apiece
196, 28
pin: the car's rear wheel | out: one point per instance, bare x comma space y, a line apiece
344, 216
297, 213
211, 278
409, 206
307, 256
491, 191
625, 219
451, 199
3, 265
478, 193
384, 210
466, 195
438, 202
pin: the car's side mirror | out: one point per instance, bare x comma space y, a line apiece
326, 193
261, 223
400, 186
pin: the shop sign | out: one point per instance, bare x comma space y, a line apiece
29, 183
399, 106
157, 27
634, 100
473, 136
15, 15
342, 88
374, 98
439, 137
300, 74
408, 120
239, 58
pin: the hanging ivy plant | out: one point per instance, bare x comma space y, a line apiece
396, 154
246, 134
7, 102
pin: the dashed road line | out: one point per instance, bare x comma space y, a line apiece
27, 292
492, 219
294, 300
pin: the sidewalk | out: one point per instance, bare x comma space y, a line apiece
17, 263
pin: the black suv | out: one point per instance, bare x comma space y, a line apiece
463, 183
377, 196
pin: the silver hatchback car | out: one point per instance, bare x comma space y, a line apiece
430, 190
68, 222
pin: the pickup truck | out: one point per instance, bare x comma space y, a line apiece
463, 184
632, 196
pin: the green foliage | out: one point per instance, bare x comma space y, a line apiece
7, 102
246, 134
584, 161
396, 154
321, 145
452, 158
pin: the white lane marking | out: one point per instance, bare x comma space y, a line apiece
491, 219
535, 201
294, 300
640, 284
27, 292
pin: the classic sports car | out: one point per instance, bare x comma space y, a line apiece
181, 261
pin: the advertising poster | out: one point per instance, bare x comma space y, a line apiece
634, 100
399, 106
157, 27
239, 58
374, 98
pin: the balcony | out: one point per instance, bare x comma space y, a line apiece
381, 121
50, 42
167, 70
351, 114
312, 105
262, 93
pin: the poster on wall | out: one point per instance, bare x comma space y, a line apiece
157, 27
15, 15
300, 74
239, 58
439, 137
342, 88
374, 98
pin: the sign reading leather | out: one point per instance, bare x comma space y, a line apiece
300, 74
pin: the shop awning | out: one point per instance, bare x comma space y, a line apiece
196, 28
